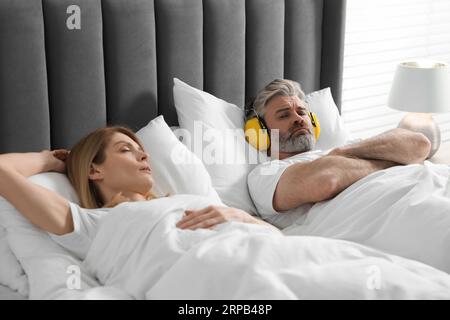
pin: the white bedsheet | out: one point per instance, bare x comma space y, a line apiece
11, 272
402, 210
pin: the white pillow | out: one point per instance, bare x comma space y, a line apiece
11, 272
217, 137
176, 170
57, 182
333, 131
19, 232
45, 262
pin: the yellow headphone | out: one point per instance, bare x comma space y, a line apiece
257, 134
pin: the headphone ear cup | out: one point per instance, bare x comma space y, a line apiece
256, 134
315, 123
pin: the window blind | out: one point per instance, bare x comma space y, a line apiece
379, 35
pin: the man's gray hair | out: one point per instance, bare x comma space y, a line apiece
278, 87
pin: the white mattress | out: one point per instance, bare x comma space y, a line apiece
8, 294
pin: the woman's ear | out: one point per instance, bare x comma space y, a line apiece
95, 173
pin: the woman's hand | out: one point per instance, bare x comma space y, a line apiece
213, 215
56, 159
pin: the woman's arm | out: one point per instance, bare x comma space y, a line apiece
214, 215
44, 208
30, 163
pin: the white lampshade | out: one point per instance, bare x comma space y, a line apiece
421, 87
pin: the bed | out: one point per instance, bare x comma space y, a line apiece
7, 293
60, 80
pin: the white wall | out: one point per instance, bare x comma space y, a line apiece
379, 35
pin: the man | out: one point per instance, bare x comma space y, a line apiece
303, 177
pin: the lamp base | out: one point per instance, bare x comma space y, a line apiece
423, 123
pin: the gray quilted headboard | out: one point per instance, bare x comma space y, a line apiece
57, 84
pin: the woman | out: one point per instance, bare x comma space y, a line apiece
106, 167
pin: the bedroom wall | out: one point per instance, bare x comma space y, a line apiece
380, 34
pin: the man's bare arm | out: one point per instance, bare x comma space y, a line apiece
398, 145
321, 179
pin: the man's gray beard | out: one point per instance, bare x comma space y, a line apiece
299, 144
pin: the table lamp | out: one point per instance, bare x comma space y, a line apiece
421, 88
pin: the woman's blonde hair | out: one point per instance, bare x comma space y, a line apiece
89, 150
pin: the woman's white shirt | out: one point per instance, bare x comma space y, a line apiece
85, 223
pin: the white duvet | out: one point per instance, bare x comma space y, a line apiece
401, 215
403, 210
139, 250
